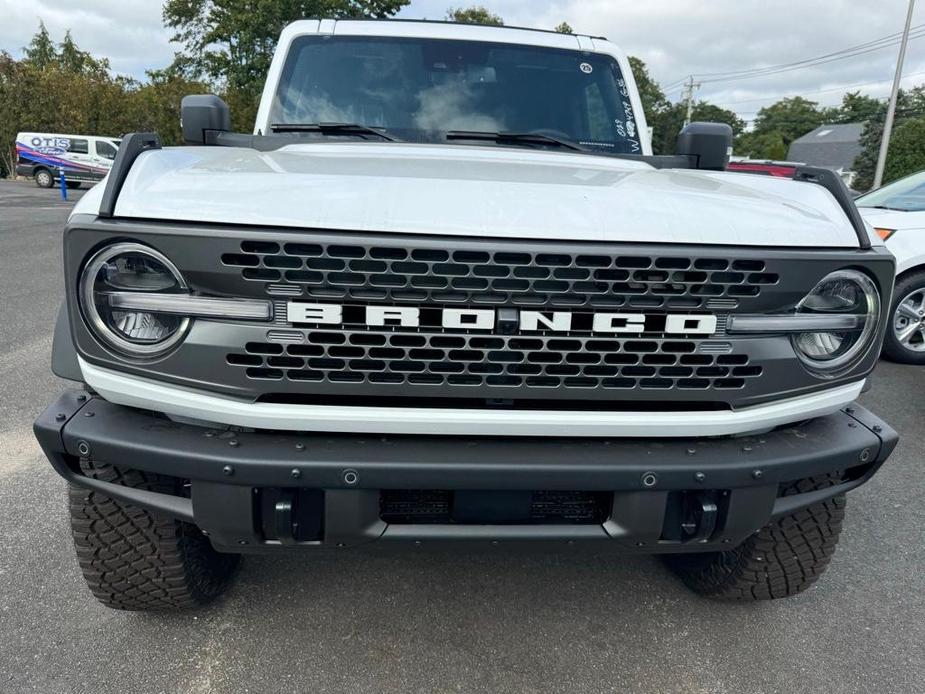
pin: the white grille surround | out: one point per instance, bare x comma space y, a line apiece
187, 404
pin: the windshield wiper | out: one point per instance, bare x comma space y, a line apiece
536, 138
332, 129
884, 207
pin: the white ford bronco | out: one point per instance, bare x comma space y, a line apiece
444, 293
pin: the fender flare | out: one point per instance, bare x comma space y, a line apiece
63, 353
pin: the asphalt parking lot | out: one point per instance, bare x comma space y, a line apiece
434, 622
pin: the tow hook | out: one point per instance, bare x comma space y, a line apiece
700, 514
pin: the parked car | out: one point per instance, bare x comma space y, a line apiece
84, 158
897, 212
444, 293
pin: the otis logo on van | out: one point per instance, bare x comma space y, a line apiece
507, 321
50, 145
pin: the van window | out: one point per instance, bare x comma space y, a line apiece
104, 149
78, 147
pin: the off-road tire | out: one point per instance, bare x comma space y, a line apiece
44, 178
133, 559
893, 349
780, 560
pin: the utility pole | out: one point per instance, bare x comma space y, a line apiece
894, 95
689, 88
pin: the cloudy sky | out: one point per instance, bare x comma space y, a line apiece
675, 38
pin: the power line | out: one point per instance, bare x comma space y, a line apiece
845, 88
850, 52
891, 39
809, 65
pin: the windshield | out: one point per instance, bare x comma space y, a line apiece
420, 89
906, 194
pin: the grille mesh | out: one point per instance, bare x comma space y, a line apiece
431, 275
423, 506
541, 362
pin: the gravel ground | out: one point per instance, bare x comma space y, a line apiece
434, 622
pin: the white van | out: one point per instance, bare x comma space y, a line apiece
84, 158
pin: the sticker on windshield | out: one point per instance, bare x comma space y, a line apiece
586, 68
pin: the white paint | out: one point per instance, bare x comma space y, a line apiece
314, 313
908, 243
457, 190
475, 318
690, 325
556, 320
188, 403
619, 322
405, 316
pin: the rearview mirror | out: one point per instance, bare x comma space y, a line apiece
709, 144
202, 116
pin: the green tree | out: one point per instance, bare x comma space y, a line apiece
907, 150
667, 123
792, 117
910, 104
41, 50
764, 145
653, 98
232, 41
565, 28
477, 14
855, 108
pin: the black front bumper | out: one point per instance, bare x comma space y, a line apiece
251, 491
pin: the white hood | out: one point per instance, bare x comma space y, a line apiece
893, 219
475, 191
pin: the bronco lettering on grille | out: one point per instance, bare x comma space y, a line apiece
486, 319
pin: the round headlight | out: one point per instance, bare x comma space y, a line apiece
847, 293
131, 267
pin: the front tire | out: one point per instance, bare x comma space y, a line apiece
905, 335
781, 560
44, 178
133, 559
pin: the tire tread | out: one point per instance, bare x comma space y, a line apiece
133, 559
782, 559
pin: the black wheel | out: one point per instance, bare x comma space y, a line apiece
905, 335
780, 560
73, 184
133, 559
44, 178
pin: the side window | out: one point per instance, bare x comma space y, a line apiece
104, 149
78, 147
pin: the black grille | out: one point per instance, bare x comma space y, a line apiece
431, 275
423, 506
499, 361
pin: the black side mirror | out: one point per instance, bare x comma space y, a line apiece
202, 116
708, 144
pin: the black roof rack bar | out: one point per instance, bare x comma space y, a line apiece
132, 145
833, 183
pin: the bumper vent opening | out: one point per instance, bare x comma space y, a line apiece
437, 506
